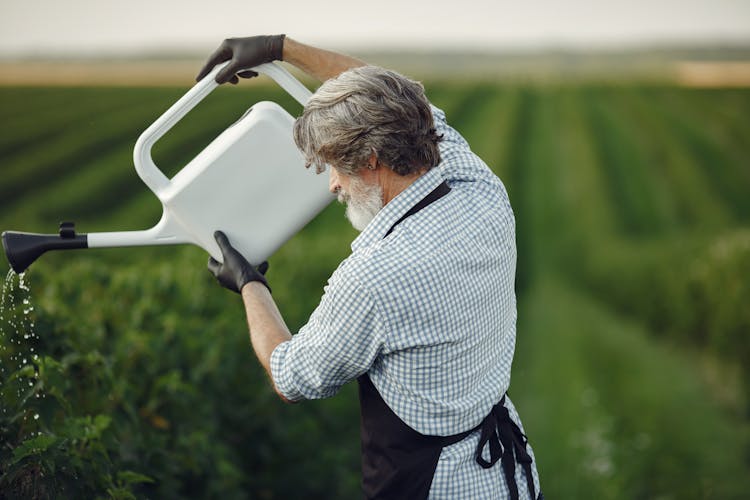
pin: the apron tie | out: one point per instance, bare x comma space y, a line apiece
508, 444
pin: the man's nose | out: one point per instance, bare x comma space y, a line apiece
333, 180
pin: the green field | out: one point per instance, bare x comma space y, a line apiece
631, 371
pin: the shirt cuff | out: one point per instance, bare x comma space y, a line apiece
281, 376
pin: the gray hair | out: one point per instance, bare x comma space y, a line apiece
368, 110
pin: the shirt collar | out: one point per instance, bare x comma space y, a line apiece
396, 208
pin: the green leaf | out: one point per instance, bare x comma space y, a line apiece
33, 446
101, 422
128, 477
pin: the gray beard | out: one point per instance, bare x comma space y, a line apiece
363, 202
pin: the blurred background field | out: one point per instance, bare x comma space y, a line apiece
631, 371
128, 372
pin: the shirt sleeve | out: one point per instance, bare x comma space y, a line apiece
458, 164
341, 341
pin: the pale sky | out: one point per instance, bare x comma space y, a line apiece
54, 27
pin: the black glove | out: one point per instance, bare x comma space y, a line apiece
235, 272
245, 53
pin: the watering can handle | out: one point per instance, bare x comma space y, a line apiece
144, 164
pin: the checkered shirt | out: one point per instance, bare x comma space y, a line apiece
429, 312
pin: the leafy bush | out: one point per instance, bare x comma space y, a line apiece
143, 383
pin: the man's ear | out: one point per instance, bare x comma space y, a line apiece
372, 162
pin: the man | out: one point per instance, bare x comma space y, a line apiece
423, 312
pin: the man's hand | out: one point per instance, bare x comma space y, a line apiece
244, 53
235, 272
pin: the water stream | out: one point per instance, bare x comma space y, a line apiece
19, 370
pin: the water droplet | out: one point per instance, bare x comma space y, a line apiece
16, 334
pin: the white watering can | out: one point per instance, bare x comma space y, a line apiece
249, 182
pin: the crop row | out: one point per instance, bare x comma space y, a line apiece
717, 140
685, 281
74, 110
52, 161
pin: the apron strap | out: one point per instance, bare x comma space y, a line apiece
434, 195
504, 436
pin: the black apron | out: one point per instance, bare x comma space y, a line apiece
399, 462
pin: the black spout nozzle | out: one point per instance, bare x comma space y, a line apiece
22, 249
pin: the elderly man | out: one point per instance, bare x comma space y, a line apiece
423, 312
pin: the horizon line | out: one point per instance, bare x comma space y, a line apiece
518, 49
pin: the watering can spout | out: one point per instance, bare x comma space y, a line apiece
22, 249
